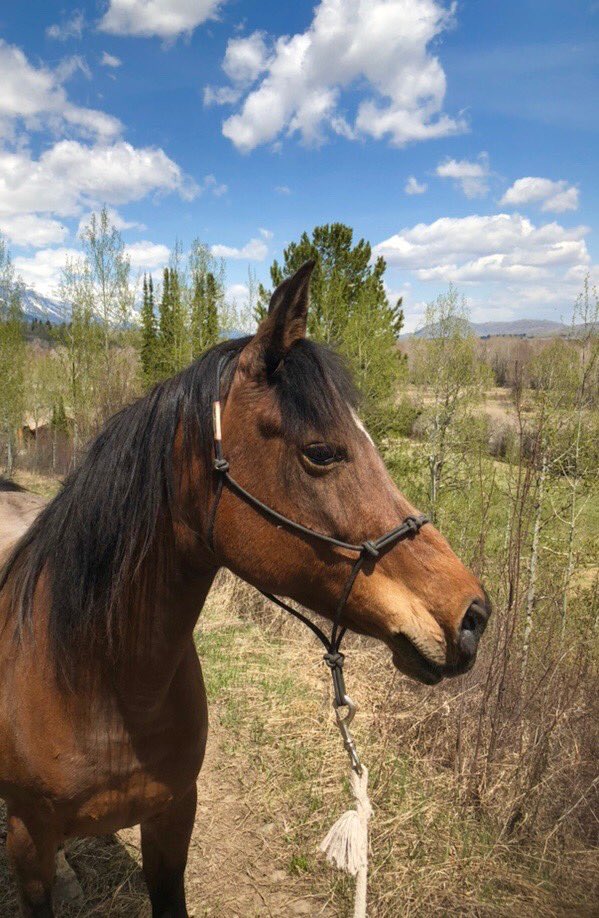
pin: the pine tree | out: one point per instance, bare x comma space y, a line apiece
397, 317
197, 315
350, 309
148, 334
180, 344
166, 337
204, 319
342, 270
210, 323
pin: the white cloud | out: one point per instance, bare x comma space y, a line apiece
413, 186
282, 189
246, 58
237, 293
499, 248
222, 95
377, 45
31, 230
146, 256
552, 196
254, 250
42, 271
211, 185
71, 176
471, 177
36, 96
110, 60
70, 28
165, 18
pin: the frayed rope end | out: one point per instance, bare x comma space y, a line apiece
346, 844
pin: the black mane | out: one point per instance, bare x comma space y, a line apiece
93, 538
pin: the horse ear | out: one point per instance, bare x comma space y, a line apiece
285, 323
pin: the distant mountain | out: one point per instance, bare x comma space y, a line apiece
522, 328
44, 308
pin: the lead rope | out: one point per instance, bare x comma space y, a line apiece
346, 843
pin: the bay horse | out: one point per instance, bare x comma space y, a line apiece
103, 714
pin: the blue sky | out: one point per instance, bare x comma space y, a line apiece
460, 141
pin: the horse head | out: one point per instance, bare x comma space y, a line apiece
293, 440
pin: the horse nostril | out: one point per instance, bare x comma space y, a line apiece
472, 626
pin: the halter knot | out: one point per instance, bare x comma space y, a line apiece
221, 465
412, 523
369, 548
334, 660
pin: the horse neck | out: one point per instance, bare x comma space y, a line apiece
165, 617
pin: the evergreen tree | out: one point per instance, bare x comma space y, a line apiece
180, 339
397, 317
341, 272
207, 293
148, 334
210, 323
197, 315
350, 309
261, 307
166, 336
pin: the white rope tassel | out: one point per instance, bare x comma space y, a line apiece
346, 844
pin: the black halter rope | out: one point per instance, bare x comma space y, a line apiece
370, 549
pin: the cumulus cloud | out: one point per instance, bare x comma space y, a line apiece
413, 186
71, 176
42, 271
70, 28
110, 60
294, 84
246, 58
146, 256
551, 196
471, 177
254, 250
211, 185
36, 96
164, 18
496, 248
32, 230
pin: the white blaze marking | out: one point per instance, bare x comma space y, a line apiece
359, 425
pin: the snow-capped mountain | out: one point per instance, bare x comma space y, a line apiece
44, 308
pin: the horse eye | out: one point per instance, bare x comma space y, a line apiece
322, 454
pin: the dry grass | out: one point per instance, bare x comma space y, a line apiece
37, 482
432, 853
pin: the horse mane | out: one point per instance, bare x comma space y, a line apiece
118, 506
